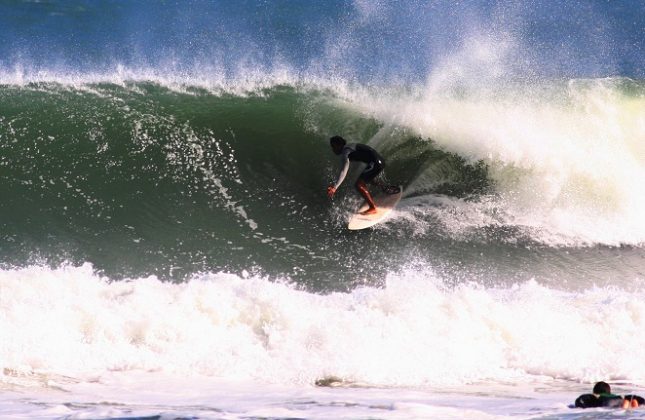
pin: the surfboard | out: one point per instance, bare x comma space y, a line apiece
385, 203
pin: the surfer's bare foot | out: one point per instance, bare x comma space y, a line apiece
369, 211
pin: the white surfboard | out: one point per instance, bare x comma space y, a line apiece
385, 203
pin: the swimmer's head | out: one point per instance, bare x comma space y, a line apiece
602, 388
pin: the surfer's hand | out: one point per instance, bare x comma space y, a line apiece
331, 191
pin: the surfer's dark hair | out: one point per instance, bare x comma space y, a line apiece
602, 388
337, 140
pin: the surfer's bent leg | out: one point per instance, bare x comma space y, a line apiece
368, 175
362, 189
372, 175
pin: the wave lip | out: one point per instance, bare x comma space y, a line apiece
563, 158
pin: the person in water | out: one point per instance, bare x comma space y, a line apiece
602, 397
356, 152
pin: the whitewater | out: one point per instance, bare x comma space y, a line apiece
167, 249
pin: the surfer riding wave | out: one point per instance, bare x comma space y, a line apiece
356, 152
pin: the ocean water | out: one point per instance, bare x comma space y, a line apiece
167, 248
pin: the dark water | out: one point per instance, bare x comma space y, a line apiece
184, 137
140, 179
143, 180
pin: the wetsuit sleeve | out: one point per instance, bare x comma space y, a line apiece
343, 172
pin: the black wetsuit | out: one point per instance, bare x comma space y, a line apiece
357, 152
605, 400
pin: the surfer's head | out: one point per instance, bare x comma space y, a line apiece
337, 143
601, 388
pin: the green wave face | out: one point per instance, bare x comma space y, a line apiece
139, 179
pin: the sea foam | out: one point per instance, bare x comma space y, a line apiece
412, 332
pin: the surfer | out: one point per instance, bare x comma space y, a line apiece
602, 397
356, 152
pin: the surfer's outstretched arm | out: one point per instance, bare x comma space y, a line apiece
331, 190
343, 172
